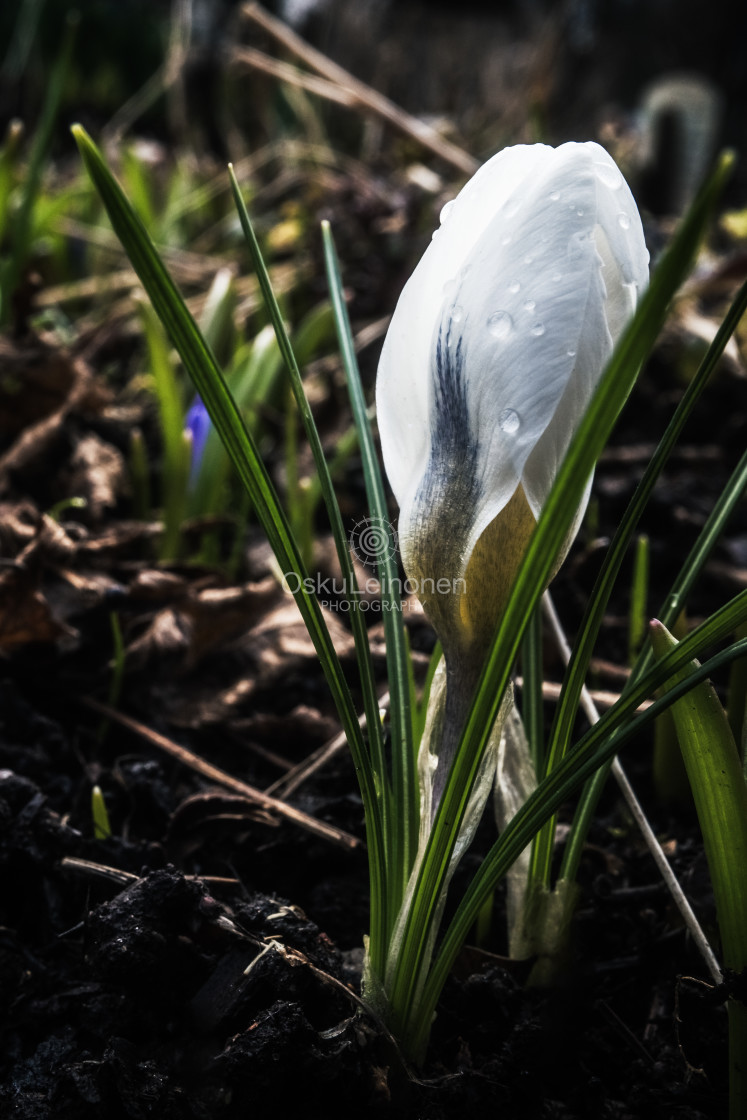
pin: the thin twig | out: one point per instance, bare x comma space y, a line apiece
285, 72
95, 870
169, 73
636, 809
364, 95
551, 690
289, 783
194, 762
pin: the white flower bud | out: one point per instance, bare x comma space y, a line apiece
492, 356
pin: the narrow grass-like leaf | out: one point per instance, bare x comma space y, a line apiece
22, 224
325, 482
209, 383
357, 619
253, 378
638, 612
709, 536
532, 700
675, 602
102, 829
573, 681
720, 794
9, 154
139, 186
546, 543
406, 803
217, 318
616, 727
176, 450
139, 476
718, 787
737, 698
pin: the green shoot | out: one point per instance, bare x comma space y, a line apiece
720, 794
638, 615
102, 829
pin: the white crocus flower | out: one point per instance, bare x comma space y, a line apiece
493, 353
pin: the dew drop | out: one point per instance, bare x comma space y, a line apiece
500, 324
623, 220
514, 286
512, 209
457, 313
506, 239
608, 175
435, 234
449, 287
580, 213
529, 305
576, 246
509, 421
557, 277
571, 353
538, 330
446, 212
555, 196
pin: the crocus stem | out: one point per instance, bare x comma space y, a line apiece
461, 681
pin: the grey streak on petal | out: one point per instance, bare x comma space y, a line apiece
444, 504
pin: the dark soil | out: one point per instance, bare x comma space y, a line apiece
203, 961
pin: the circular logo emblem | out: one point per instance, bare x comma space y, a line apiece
373, 539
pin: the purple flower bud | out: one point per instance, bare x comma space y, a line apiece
197, 423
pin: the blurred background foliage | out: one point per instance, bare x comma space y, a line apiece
484, 65
173, 89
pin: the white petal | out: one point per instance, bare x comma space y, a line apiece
504, 329
403, 381
533, 320
618, 238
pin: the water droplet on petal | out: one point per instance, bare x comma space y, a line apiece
457, 313
623, 220
576, 246
449, 287
509, 421
506, 239
512, 209
555, 196
538, 330
529, 305
500, 324
608, 175
571, 353
557, 277
435, 234
514, 286
446, 212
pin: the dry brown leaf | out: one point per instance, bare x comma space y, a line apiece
98, 474
35, 383
155, 585
71, 383
19, 523
50, 545
123, 536
25, 615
